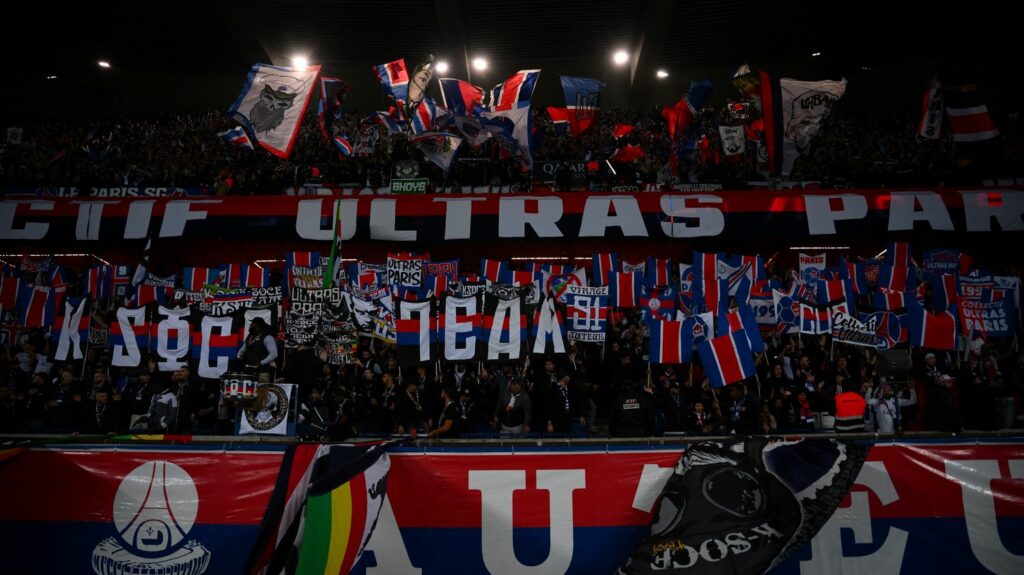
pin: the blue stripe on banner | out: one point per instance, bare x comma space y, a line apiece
934, 545
453, 551
68, 547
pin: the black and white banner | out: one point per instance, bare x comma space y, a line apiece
734, 142
587, 313
460, 327
269, 415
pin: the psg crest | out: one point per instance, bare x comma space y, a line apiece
154, 509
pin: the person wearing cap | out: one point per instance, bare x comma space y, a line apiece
513, 409
260, 348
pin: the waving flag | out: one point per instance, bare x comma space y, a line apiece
787, 312
814, 319
390, 122
727, 359
898, 254
250, 275
472, 129
888, 328
681, 114
582, 104
193, 279
460, 328
665, 344
622, 130
394, 79
735, 268
854, 273
418, 83
332, 97
794, 114
658, 271
342, 143
894, 277
604, 264
515, 92
742, 320
504, 331
71, 330
888, 300
441, 148
98, 282
930, 126
697, 329
272, 104
627, 153
945, 290
521, 278
548, 330
931, 330
36, 308
833, 293
969, 119
493, 270
624, 289
236, 136
10, 288
424, 116
459, 96
586, 313
658, 303
511, 128
302, 259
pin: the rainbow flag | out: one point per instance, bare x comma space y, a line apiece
342, 489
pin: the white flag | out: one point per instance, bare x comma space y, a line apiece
734, 142
272, 103
805, 106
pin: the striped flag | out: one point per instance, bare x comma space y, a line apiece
888, 300
945, 290
658, 271
898, 254
250, 275
97, 282
666, 341
931, 330
493, 270
742, 320
624, 289
193, 279
36, 308
969, 119
237, 137
604, 264
727, 359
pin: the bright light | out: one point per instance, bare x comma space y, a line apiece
441, 67
620, 57
661, 74
479, 64
51, 77
103, 64
300, 63
815, 54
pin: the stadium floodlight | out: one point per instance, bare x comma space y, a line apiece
51, 77
479, 64
620, 57
661, 74
300, 62
103, 64
815, 54
441, 67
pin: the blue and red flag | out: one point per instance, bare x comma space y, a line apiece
515, 92
76, 312
889, 300
727, 359
342, 143
302, 259
237, 137
658, 303
931, 330
854, 273
665, 344
894, 277
582, 104
10, 288
898, 254
250, 275
658, 272
697, 329
97, 282
969, 120
624, 289
36, 308
394, 79
604, 264
494, 270
424, 116
391, 123
193, 279
814, 319
146, 294
459, 96
888, 328
742, 320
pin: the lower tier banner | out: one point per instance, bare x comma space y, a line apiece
914, 506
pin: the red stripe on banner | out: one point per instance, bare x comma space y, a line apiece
606, 500
971, 124
38, 486
728, 362
670, 345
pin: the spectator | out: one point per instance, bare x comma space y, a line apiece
513, 410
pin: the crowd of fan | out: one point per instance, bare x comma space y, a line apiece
184, 151
594, 390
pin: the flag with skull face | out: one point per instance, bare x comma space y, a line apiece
272, 103
741, 508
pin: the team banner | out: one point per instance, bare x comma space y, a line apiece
504, 328
586, 313
153, 510
950, 507
793, 214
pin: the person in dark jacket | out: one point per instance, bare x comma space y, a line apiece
635, 413
412, 415
450, 419
940, 412
98, 415
513, 410
564, 407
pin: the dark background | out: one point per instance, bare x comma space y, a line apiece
192, 55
